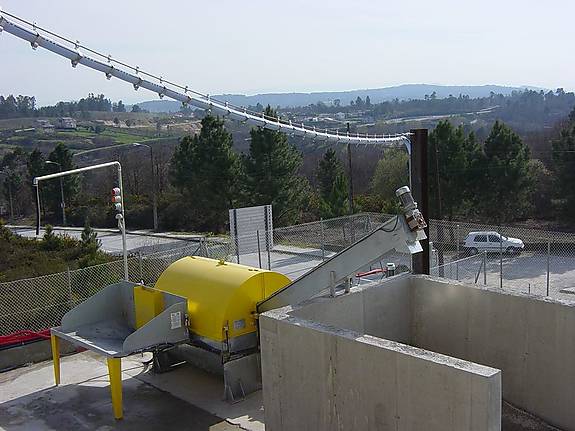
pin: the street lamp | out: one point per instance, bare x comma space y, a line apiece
62, 202
154, 195
9, 193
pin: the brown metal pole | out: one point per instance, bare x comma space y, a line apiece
350, 170
420, 191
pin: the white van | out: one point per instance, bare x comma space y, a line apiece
477, 242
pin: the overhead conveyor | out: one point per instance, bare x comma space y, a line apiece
112, 68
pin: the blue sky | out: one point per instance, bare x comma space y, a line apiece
229, 46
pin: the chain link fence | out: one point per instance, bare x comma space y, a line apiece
513, 258
544, 266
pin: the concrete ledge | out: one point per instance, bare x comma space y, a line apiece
320, 377
31, 353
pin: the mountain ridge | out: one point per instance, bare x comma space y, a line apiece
376, 95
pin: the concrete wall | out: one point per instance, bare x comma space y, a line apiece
318, 377
384, 313
531, 340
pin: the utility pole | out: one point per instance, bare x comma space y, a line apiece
62, 202
154, 189
419, 182
440, 232
350, 169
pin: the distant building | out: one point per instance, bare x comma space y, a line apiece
46, 126
66, 123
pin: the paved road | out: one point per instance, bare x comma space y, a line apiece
112, 241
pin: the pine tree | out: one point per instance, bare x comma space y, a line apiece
329, 168
507, 186
454, 171
205, 170
12, 164
51, 188
272, 174
564, 166
89, 239
333, 186
36, 165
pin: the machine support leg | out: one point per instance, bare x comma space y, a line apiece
55, 342
115, 373
332, 284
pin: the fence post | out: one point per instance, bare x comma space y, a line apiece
69, 280
140, 265
484, 268
352, 220
332, 284
259, 251
548, 261
203, 250
268, 248
457, 252
322, 239
500, 259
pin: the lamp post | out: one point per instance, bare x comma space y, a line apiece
62, 202
9, 181
154, 194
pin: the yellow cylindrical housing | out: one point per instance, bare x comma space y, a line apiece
219, 294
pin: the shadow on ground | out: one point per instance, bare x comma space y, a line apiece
514, 419
88, 407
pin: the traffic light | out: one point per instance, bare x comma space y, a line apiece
117, 199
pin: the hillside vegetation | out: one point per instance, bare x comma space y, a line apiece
24, 258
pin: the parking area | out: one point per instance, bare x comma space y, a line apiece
528, 272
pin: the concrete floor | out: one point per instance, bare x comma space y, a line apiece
186, 399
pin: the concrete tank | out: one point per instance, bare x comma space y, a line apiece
222, 298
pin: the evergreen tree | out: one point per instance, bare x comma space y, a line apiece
455, 174
205, 169
329, 168
35, 164
564, 164
272, 174
335, 204
505, 193
333, 186
89, 239
11, 165
51, 188
36, 167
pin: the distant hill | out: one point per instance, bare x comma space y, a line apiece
376, 95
